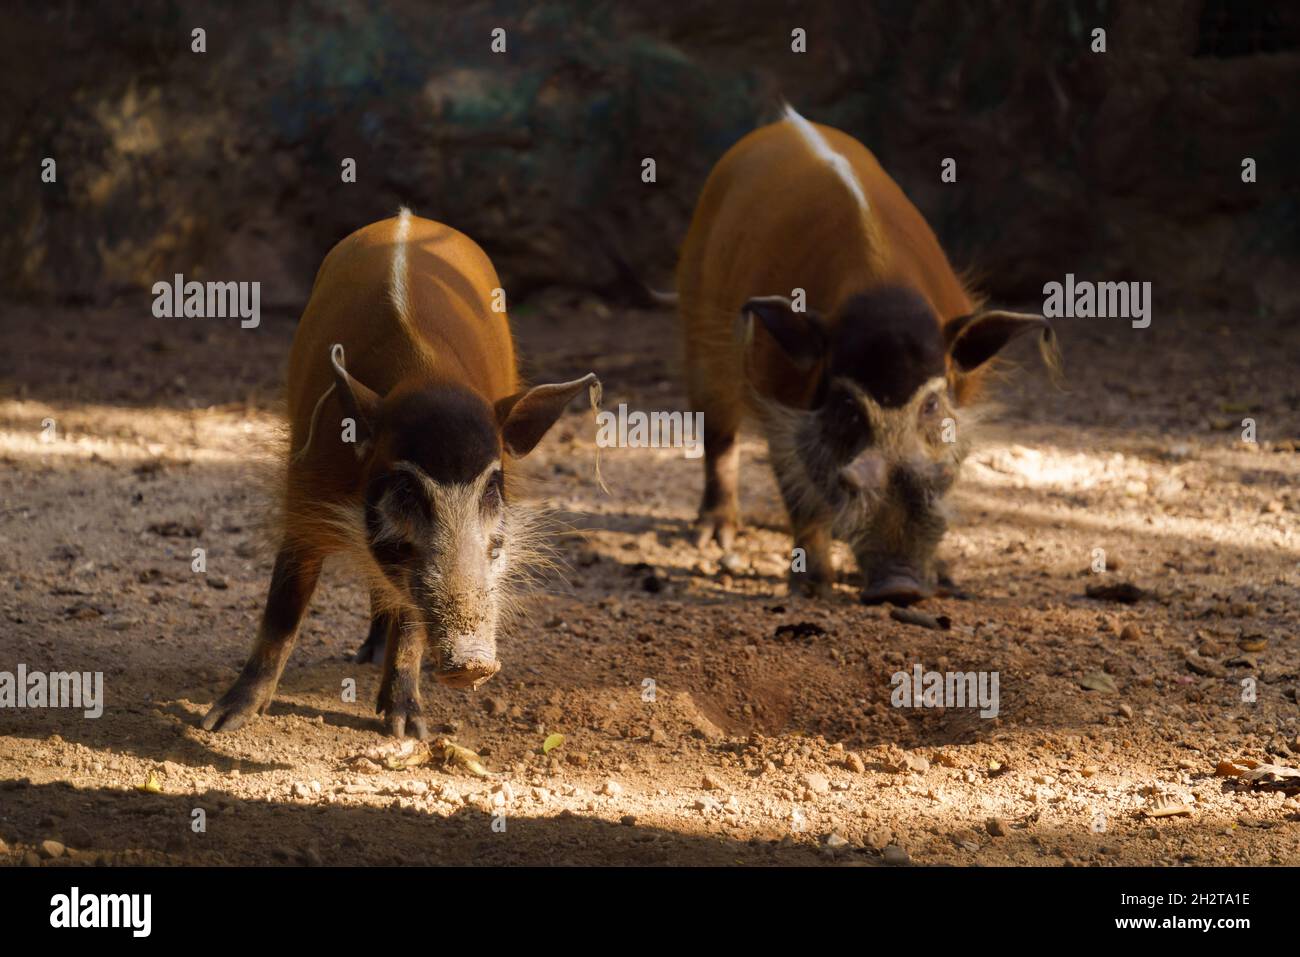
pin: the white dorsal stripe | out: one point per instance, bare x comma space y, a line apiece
817, 143
397, 281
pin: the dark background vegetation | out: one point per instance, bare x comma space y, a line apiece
1123, 165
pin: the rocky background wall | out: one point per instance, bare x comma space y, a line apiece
226, 164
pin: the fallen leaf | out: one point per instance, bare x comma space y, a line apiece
552, 742
393, 755
454, 754
1165, 806
1273, 777
151, 785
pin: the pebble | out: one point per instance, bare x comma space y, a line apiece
853, 761
731, 563
1130, 632
996, 827
834, 840
52, 849
1126, 710
896, 856
711, 782
612, 789
817, 783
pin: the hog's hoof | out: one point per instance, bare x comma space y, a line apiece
371, 651
717, 525
896, 590
236, 706
471, 675
950, 589
405, 718
802, 586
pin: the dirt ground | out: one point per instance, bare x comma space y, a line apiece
758, 745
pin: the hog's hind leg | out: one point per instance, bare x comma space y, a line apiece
372, 649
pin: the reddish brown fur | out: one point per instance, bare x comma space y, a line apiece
450, 336
774, 216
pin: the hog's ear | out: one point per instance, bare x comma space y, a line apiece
527, 416
975, 339
359, 403
800, 335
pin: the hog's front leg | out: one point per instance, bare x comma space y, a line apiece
399, 688
812, 571
292, 583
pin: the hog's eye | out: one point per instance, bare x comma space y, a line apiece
493, 492
931, 406
845, 427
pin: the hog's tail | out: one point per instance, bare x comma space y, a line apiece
311, 428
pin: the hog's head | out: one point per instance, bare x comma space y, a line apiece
882, 441
443, 538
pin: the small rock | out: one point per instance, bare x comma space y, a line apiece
1131, 632
711, 782
896, 856
1205, 666
834, 840
612, 789
1124, 592
1099, 681
817, 783
52, 849
996, 827
853, 761
495, 706
731, 563
1126, 710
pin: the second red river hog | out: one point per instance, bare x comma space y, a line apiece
815, 297
406, 412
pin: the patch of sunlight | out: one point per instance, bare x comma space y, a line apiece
1140, 523
35, 430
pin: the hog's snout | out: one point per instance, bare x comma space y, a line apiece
469, 675
895, 586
